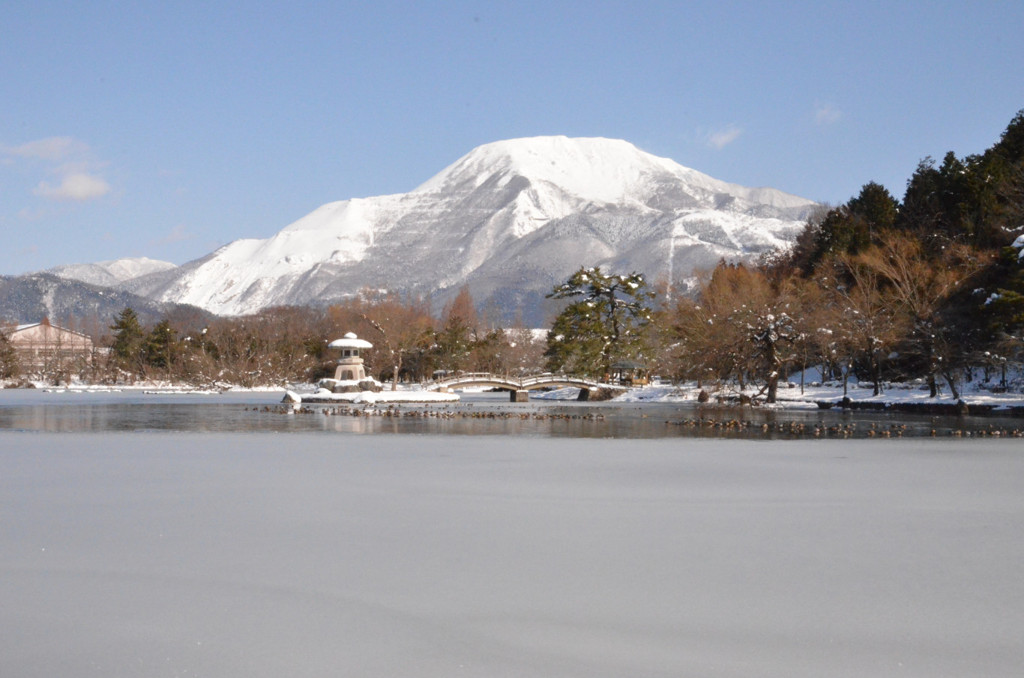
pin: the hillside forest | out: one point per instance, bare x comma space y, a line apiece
929, 286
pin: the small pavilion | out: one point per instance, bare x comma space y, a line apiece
629, 373
350, 364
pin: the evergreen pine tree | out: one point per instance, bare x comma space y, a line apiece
9, 365
454, 342
128, 340
605, 323
876, 206
161, 345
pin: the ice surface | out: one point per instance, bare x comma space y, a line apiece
314, 555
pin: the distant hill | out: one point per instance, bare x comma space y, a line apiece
111, 273
29, 298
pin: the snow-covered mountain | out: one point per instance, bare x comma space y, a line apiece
111, 273
510, 219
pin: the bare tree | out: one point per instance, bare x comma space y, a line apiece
920, 286
742, 325
404, 327
868, 315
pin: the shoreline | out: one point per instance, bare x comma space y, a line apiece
902, 399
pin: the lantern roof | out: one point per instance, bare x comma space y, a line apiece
350, 340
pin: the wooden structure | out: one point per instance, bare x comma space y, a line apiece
629, 373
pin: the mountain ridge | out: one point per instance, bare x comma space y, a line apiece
110, 273
531, 208
34, 296
510, 219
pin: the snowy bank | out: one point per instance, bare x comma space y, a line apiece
326, 396
894, 396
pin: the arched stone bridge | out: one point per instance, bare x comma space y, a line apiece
519, 388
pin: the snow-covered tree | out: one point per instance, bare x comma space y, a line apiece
771, 332
867, 315
604, 323
741, 327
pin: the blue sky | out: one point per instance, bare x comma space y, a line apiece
168, 129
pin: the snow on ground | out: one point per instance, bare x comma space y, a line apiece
161, 389
142, 386
568, 393
300, 555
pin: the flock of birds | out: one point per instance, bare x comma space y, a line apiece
849, 430
702, 426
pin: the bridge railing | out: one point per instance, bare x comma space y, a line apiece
518, 382
503, 377
463, 376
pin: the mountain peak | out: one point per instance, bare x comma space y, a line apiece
595, 169
592, 168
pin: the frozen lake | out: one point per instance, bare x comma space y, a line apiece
77, 411
281, 552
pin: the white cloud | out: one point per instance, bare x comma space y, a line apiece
70, 160
51, 148
78, 186
723, 138
826, 114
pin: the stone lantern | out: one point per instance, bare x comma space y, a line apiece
350, 364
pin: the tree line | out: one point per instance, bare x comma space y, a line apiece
289, 344
929, 287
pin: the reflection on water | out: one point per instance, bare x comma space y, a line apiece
477, 414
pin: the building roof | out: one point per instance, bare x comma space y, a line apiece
44, 336
628, 365
46, 326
